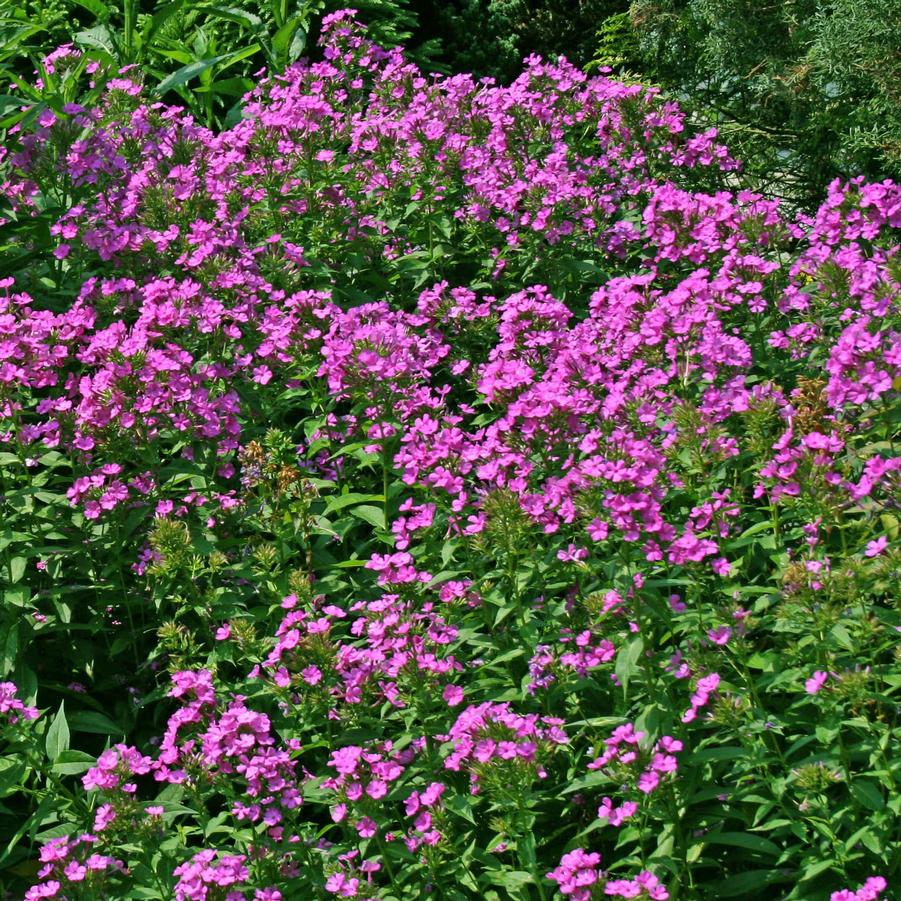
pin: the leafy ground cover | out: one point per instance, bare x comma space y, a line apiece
425, 488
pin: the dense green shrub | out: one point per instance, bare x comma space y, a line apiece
491, 37
804, 90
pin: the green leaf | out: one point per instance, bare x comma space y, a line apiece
743, 840
98, 723
183, 75
101, 10
742, 883
11, 771
180, 56
99, 38
57, 739
12, 40
230, 87
627, 661
10, 650
375, 516
867, 794
8, 103
27, 680
811, 871
159, 18
17, 569
233, 14
732, 752
525, 845
144, 893
513, 880
71, 763
891, 525
461, 806
174, 808
347, 500
763, 662
870, 842
840, 633
865, 837
323, 525
757, 528
298, 44
281, 40
28, 90
238, 55
18, 596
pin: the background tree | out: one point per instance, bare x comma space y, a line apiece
804, 90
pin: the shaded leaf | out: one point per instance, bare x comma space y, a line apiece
57, 739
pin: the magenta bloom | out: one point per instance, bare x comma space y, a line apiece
576, 873
453, 695
869, 891
720, 635
816, 682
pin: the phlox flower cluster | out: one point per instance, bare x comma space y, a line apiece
400, 643
578, 650
487, 736
422, 807
205, 870
11, 708
69, 862
625, 761
704, 689
578, 877
869, 891
364, 775
552, 376
353, 877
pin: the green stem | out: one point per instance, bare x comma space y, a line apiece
128, 37
386, 477
383, 848
681, 845
58, 786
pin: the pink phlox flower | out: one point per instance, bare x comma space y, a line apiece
813, 685
720, 635
869, 891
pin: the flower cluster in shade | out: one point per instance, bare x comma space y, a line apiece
12, 709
